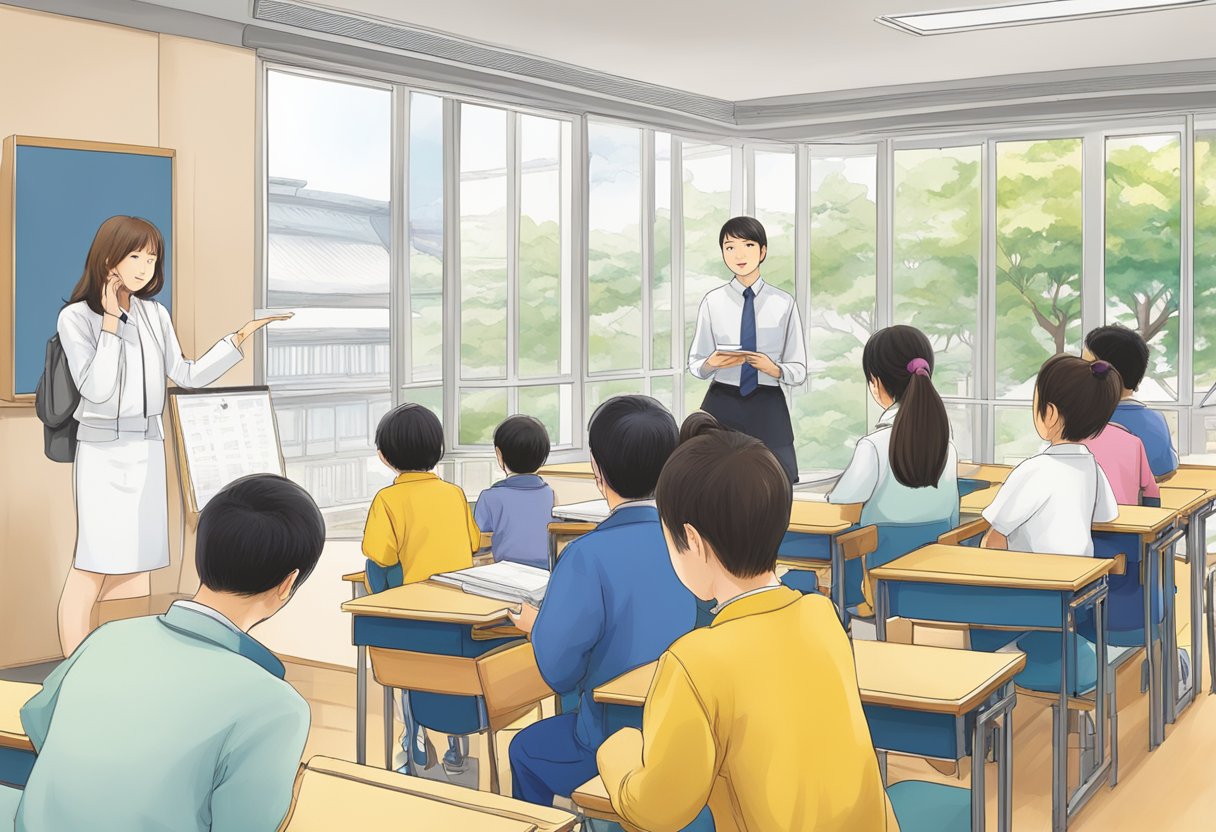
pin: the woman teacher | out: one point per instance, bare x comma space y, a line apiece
120, 346
748, 343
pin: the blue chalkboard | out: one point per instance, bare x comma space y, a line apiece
61, 197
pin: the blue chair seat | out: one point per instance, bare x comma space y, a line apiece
1042, 671
930, 807
803, 580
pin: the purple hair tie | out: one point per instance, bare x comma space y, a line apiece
1100, 368
918, 367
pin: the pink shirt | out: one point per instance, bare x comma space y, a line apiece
1123, 460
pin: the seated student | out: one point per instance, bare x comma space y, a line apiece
518, 510
906, 471
613, 603
417, 527
182, 721
1120, 454
757, 714
1127, 352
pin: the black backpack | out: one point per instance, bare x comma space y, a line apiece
55, 402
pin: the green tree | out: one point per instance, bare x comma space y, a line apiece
1204, 301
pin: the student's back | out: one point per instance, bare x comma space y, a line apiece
518, 510
154, 713
1149, 427
1121, 456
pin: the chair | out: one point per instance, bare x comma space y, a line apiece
921, 806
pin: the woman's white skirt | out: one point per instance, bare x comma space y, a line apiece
122, 523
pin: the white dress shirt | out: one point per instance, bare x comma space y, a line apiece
778, 333
203, 609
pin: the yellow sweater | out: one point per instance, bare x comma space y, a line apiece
424, 524
759, 716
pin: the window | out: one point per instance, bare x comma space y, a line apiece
1204, 296
328, 258
776, 194
424, 312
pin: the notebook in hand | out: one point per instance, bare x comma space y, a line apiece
503, 581
592, 511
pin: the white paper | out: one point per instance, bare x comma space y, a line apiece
503, 581
591, 511
227, 436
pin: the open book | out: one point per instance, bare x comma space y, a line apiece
504, 581
592, 511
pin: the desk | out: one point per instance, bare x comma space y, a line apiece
984, 471
573, 470
16, 750
582, 470
1014, 590
334, 794
358, 589
1199, 477
948, 689
973, 504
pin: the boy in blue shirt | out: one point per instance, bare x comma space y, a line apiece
614, 602
1127, 352
518, 510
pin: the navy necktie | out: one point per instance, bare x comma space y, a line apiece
748, 378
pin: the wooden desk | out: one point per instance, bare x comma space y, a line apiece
573, 470
1012, 590
975, 502
984, 471
16, 751
562, 532
334, 794
428, 601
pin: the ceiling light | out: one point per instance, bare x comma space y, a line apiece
1023, 14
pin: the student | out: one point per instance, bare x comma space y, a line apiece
1050, 502
1127, 352
518, 510
183, 721
905, 473
613, 603
417, 527
757, 714
1120, 454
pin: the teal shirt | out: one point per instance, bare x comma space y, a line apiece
173, 722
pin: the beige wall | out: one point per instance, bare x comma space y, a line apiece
68, 78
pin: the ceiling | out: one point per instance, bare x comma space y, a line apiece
738, 51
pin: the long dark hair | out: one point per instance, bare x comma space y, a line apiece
901, 357
115, 239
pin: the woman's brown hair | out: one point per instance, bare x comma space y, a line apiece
115, 239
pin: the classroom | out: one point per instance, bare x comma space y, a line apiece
556, 417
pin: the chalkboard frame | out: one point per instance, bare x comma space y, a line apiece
8, 253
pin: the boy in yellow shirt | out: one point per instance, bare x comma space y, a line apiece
417, 527
772, 678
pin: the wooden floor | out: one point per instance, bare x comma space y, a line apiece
1173, 789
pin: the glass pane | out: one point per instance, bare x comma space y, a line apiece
351, 425
776, 193
1205, 262
483, 242
320, 430
937, 256
552, 405
963, 428
291, 435
1038, 259
542, 298
481, 411
426, 237
663, 389
661, 288
707, 192
343, 488
429, 397
601, 391
830, 415
614, 256
1144, 250
1016, 438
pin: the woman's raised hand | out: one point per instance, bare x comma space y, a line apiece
256, 324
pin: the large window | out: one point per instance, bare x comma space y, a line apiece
1204, 295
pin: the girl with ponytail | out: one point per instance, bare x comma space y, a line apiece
904, 473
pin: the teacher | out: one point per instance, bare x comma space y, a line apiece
749, 343
120, 345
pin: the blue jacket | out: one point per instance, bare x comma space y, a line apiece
614, 603
1151, 428
517, 511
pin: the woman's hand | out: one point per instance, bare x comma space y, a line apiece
256, 324
720, 359
111, 306
763, 364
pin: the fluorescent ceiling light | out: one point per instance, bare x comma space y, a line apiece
1023, 14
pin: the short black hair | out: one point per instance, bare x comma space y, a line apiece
256, 532
524, 443
1084, 393
1123, 348
411, 438
630, 437
743, 228
732, 490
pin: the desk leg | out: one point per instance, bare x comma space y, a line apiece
1148, 581
838, 582
1198, 559
1059, 735
388, 729
881, 603
1169, 640
358, 591
1209, 603
1004, 791
978, 758
552, 551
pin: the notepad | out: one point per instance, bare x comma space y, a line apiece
592, 511
502, 581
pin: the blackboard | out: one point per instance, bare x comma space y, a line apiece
56, 193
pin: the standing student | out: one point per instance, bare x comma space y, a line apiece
749, 343
183, 721
120, 345
613, 604
1127, 352
518, 510
905, 473
757, 714
417, 527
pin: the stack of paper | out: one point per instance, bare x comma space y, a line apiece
592, 511
504, 581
